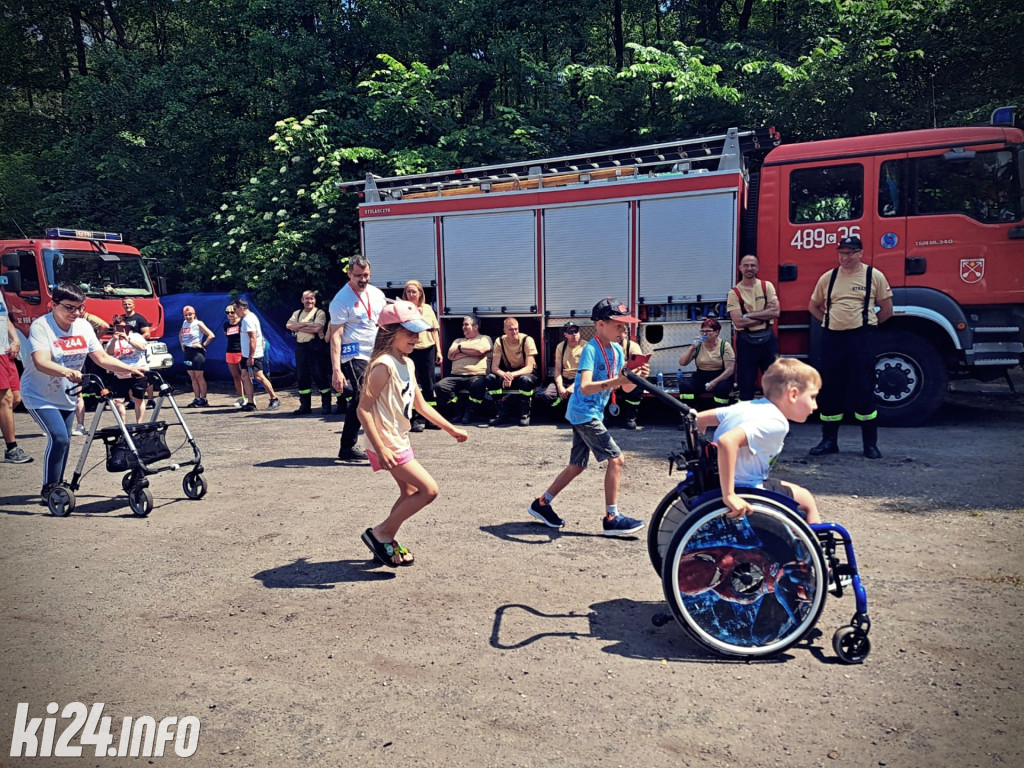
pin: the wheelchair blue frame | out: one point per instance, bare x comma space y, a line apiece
740, 591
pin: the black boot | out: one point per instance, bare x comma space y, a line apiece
524, 411
468, 415
418, 423
325, 403
869, 434
305, 403
502, 418
829, 439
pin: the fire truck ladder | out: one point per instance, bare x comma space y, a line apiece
683, 156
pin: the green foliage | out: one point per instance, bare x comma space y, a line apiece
153, 117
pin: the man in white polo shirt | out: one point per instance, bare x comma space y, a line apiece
354, 312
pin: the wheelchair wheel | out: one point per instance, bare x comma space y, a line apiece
851, 645
129, 480
140, 500
668, 515
60, 501
749, 587
194, 485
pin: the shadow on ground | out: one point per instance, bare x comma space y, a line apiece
526, 532
626, 626
303, 574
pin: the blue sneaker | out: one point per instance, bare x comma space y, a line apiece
546, 514
620, 525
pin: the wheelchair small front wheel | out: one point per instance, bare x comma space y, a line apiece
851, 644
748, 587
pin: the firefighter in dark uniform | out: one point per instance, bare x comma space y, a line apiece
844, 301
308, 325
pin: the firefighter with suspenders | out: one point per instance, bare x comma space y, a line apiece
844, 301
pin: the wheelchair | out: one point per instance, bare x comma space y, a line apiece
754, 586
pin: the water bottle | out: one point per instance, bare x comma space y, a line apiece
679, 378
661, 380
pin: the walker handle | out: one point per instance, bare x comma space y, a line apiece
90, 383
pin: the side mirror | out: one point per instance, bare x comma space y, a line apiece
161, 285
11, 279
12, 259
156, 269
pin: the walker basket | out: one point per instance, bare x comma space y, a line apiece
149, 441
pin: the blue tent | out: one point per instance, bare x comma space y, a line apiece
210, 309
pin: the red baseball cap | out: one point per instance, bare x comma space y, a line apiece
612, 309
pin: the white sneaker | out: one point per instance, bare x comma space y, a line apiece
78, 431
239, 402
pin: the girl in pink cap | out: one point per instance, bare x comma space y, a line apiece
390, 393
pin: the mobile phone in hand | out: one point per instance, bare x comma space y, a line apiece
636, 362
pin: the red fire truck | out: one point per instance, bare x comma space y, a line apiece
101, 264
939, 211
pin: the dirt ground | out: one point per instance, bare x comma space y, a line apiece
257, 610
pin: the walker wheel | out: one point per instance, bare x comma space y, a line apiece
851, 645
194, 485
129, 480
61, 501
140, 500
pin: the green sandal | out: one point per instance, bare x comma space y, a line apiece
403, 552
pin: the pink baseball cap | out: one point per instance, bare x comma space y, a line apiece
405, 314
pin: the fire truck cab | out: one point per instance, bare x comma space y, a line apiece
100, 263
939, 213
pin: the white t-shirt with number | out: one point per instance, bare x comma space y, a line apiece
128, 352
360, 332
67, 348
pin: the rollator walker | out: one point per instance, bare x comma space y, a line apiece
754, 586
132, 449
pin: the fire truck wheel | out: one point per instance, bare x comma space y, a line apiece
910, 378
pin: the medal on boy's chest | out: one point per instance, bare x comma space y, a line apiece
613, 409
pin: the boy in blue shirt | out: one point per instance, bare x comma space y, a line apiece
597, 377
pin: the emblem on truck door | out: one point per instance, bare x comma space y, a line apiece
972, 270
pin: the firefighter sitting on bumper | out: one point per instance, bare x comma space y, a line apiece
511, 380
844, 301
715, 362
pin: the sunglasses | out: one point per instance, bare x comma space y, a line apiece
573, 331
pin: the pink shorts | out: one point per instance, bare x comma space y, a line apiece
9, 373
403, 457
233, 357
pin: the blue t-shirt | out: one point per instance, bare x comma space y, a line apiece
585, 408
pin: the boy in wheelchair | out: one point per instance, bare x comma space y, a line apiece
751, 434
